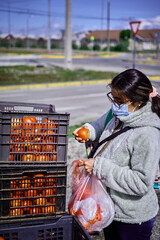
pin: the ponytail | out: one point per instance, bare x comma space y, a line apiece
156, 105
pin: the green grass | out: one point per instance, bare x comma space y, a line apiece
31, 74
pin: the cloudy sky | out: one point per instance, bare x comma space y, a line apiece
16, 15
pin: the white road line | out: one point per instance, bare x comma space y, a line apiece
71, 97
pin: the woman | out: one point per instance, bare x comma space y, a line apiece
128, 165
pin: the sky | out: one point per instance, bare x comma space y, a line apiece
18, 16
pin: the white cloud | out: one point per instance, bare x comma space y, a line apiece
150, 23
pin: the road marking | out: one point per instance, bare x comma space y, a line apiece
68, 108
71, 97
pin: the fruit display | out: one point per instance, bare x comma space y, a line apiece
33, 194
33, 140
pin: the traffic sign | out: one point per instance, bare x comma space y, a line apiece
92, 38
135, 27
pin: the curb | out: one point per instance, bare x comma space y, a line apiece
63, 84
47, 85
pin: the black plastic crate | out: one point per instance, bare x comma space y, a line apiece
33, 138
64, 228
35, 192
25, 107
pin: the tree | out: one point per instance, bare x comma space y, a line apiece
125, 34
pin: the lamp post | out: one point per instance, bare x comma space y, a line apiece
134, 28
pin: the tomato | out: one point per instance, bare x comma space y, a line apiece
83, 133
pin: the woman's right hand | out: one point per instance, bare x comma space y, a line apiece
81, 139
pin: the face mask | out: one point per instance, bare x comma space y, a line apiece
121, 110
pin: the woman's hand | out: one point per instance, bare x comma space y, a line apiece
77, 137
88, 164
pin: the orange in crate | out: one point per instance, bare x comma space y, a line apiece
48, 126
39, 180
16, 203
30, 192
25, 182
28, 157
48, 209
41, 200
16, 212
34, 210
42, 157
47, 147
26, 204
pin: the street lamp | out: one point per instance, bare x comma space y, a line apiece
134, 28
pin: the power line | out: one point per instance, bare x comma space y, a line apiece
43, 13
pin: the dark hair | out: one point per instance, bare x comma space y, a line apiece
137, 87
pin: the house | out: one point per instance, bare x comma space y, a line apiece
100, 38
145, 39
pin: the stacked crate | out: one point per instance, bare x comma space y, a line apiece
33, 169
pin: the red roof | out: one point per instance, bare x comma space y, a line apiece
147, 34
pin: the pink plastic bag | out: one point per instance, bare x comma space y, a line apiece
89, 200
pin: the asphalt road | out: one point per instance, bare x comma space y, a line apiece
115, 64
84, 102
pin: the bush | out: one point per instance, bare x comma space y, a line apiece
96, 47
19, 44
53, 46
121, 47
84, 47
74, 46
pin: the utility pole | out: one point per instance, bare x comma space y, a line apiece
68, 36
101, 35
108, 27
49, 27
28, 15
9, 24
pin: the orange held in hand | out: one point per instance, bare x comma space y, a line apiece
83, 133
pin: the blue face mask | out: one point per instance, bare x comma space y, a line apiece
121, 110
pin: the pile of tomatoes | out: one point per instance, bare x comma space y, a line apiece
31, 141
33, 195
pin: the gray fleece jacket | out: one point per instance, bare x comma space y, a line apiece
128, 165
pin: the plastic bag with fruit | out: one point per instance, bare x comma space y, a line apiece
89, 201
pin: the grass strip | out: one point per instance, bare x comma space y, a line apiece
20, 75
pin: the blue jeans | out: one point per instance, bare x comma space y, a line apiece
126, 231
